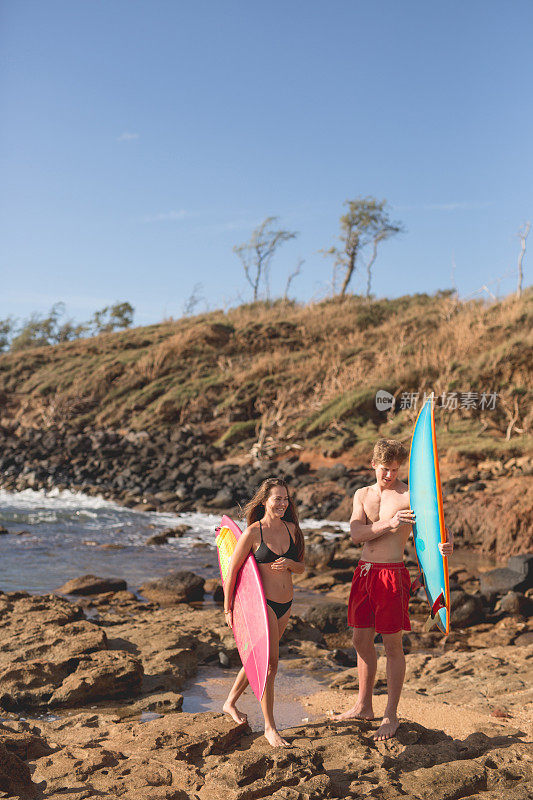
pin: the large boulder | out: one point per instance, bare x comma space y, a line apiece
50, 656
302, 631
168, 533
91, 584
328, 618
100, 676
223, 498
466, 609
320, 553
320, 498
501, 581
523, 564
515, 604
15, 776
179, 587
496, 521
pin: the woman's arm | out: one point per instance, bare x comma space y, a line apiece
288, 565
242, 548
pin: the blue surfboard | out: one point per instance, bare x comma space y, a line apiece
425, 494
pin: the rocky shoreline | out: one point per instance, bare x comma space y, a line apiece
181, 470
488, 506
93, 678
92, 692
92, 689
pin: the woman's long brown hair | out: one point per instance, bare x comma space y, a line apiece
255, 509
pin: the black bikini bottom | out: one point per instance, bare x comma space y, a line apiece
279, 609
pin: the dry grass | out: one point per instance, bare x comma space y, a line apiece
306, 373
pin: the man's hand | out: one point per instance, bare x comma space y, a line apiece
404, 517
446, 548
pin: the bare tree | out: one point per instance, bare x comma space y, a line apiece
380, 236
256, 255
523, 234
292, 276
366, 222
192, 301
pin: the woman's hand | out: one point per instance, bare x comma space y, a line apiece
228, 616
281, 565
446, 548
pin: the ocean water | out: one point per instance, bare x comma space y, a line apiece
57, 536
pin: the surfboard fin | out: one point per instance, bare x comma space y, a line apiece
429, 623
435, 608
438, 604
416, 584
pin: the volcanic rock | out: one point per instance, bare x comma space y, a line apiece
223, 499
523, 564
498, 520
99, 676
91, 584
319, 554
328, 618
15, 776
515, 603
466, 609
179, 587
52, 656
157, 538
501, 581
208, 756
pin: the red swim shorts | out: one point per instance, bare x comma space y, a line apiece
379, 597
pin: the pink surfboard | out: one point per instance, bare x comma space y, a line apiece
250, 618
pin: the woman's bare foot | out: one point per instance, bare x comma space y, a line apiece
387, 729
273, 738
234, 712
358, 711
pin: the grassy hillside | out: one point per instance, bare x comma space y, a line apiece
284, 374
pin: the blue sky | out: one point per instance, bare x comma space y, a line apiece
142, 140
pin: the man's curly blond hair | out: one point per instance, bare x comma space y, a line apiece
388, 450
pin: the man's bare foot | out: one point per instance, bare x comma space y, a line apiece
234, 712
387, 729
358, 711
273, 738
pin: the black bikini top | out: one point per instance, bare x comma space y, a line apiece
264, 555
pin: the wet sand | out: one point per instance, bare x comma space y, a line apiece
456, 721
210, 687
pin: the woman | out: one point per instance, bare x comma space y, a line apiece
274, 536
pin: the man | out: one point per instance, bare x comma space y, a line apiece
382, 522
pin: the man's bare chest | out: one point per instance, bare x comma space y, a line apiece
377, 509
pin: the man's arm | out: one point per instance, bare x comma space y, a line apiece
361, 532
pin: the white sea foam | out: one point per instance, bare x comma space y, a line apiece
55, 499
115, 522
67, 535
322, 523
